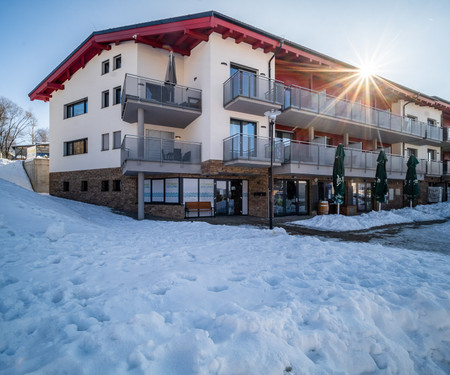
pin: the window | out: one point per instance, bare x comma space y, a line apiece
105, 185
105, 99
431, 154
117, 185
76, 108
105, 142
84, 186
105, 67
79, 146
117, 62
117, 95
411, 151
431, 122
66, 186
117, 139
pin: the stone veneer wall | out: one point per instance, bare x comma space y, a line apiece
126, 199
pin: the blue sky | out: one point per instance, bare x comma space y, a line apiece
409, 39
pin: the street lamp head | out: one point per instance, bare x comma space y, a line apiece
272, 114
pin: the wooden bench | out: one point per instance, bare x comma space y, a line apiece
199, 207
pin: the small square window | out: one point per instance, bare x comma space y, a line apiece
84, 186
117, 62
117, 95
105, 99
105, 185
117, 185
66, 186
105, 142
117, 139
105, 67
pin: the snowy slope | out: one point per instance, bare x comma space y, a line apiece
13, 171
85, 291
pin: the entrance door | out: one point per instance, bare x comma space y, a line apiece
362, 196
228, 197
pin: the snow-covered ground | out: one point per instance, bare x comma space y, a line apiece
438, 211
86, 291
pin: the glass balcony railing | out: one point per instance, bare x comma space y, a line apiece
321, 103
253, 86
160, 92
251, 148
323, 156
435, 168
160, 150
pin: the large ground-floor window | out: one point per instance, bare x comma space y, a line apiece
291, 197
362, 196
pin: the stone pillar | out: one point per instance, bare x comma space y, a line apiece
140, 195
311, 134
140, 155
346, 141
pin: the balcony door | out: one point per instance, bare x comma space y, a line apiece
243, 83
243, 143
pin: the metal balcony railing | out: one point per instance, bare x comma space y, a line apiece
159, 92
252, 148
160, 150
253, 86
322, 103
323, 156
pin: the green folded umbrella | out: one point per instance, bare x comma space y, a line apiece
380, 188
411, 188
339, 176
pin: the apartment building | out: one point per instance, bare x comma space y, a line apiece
148, 117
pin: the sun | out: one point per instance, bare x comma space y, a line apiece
367, 70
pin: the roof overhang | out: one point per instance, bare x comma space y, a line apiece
180, 35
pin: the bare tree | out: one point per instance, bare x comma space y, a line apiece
14, 122
41, 135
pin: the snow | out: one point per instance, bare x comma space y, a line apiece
341, 223
87, 291
13, 171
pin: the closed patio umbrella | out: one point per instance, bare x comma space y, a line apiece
171, 76
411, 188
381, 186
339, 176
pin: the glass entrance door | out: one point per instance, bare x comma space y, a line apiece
228, 197
362, 196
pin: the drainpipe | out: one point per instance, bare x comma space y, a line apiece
276, 52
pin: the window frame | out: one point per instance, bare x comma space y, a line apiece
84, 185
66, 186
115, 145
116, 90
105, 99
115, 59
71, 145
104, 186
105, 145
105, 67
69, 108
117, 185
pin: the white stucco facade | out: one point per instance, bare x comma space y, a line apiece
207, 68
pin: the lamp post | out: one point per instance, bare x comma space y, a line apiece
272, 115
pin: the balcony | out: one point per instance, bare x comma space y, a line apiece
318, 159
446, 139
158, 155
252, 94
326, 113
446, 168
242, 150
435, 168
163, 103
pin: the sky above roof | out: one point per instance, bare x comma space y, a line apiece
406, 39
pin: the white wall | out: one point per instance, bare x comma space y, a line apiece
422, 113
89, 83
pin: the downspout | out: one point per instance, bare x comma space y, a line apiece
276, 52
